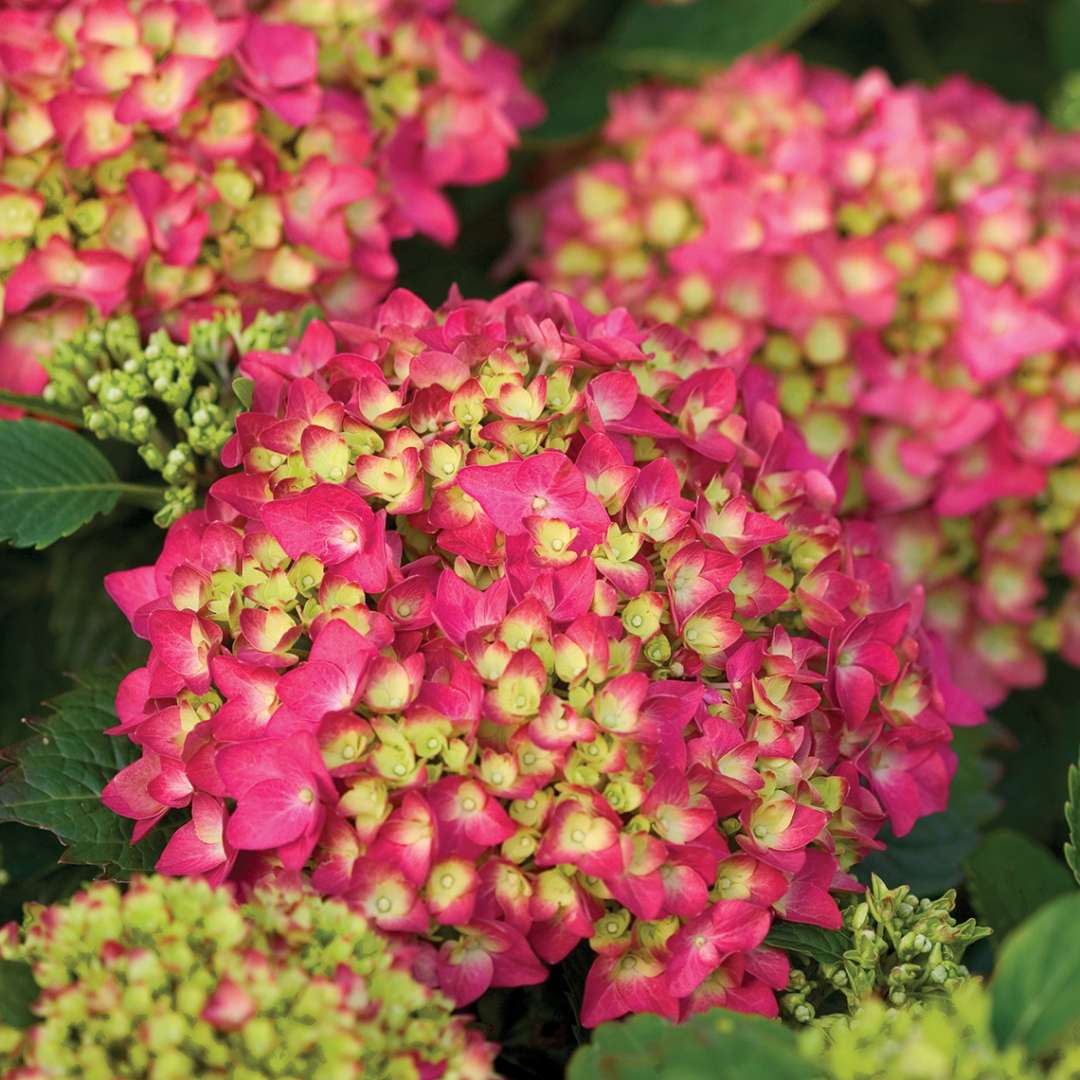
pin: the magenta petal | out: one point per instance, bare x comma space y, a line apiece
185, 854
271, 813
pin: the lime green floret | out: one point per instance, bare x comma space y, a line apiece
949, 1039
173, 980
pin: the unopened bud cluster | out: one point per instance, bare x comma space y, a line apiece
172, 399
173, 979
903, 950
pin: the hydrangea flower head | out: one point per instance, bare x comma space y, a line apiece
517, 627
176, 979
897, 259
163, 154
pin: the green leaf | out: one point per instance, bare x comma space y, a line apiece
1063, 34
576, 94
30, 859
1072, 819
684, 41
18, 991
1010, 877
493, 17
1045, 727
87, 628
52, 481
718, 1045
825, 946
1036, 989
59, 773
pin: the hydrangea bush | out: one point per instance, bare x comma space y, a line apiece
168, 154
518, 627
899, 260
174, 979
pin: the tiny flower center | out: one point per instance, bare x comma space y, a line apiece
446, 880
306, 795
383, 904
578, 836
538, 503
468, 805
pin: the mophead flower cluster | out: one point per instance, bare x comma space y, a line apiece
518, 627
901, 260
173, 979
160, 154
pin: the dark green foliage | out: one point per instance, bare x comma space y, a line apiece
58, 773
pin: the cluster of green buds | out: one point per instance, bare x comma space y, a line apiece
173, 979
174, 400
903, 949
950, 1039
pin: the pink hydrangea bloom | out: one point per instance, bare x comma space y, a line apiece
516, 626
262, 154
897, 260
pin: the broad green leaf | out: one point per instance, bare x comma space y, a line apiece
825, 946
718, 1045
58, 774
30, 860
576, 96
1045, 729
1072, 819
18, 991
1036, 987
51, 482
24, 640
686, 40
1010, 877
88, 630
493, 17
1063, 34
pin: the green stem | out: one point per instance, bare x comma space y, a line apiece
149, 495
38, 406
